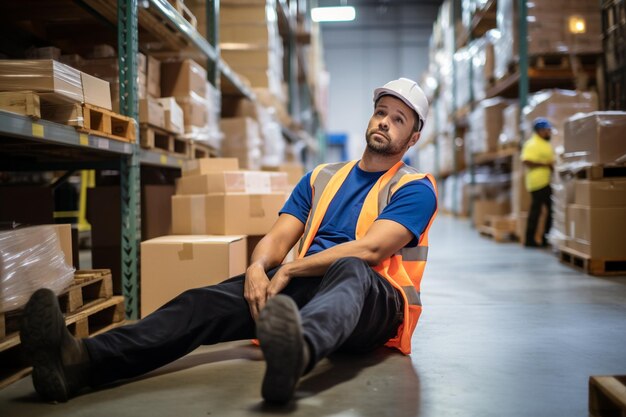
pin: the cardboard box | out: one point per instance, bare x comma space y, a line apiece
154, 77
484, 208
557, 106
151, 112
596, 137
96, 91
240, 131
225, 214
251, 57
207, 165
156, 211
294, 170
174, 118
195, 112
249, 182
598, 231
181, 79
247, 14
605, 193
171, 265
42, 76
248, 33
486, 122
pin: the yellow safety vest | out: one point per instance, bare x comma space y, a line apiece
404, 269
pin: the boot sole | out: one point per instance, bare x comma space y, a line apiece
41, 334
279, 331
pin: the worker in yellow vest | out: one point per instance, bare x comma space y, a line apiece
538, 158
355, 286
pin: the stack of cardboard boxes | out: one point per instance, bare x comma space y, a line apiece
595, 215
250, 43
557, 106
272, 145
186, 82
485, 127
242, 140
60, 89
218, 214
555, 27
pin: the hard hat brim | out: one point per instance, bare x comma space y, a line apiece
382, 91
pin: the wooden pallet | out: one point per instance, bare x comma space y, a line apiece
89, 287
563, 61
26, 103
102, 122
159, 139
598, 172
583, 262
184, 12
88, 321
607, 396
500, 228
198, 150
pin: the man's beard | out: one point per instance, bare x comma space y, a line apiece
386, 148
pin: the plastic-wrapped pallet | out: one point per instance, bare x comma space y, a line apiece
554, 27
595, 138
481, 51
31, 258
557, 106
485, 123
510, 126
463, 62
242, 140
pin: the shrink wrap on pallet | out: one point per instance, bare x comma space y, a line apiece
31, 258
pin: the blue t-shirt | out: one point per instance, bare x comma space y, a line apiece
412, 206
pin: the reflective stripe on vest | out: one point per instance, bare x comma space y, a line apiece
405, 268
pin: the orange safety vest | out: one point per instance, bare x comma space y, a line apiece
404, 269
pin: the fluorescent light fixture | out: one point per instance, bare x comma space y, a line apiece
333, 14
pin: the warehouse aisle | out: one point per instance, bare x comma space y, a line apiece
505, 332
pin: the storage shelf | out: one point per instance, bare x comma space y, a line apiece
508, 87
168, 12
30, 138
490, 157
152, 158
46, 132
482, 21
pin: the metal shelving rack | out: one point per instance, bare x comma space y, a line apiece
41, 140
521, 79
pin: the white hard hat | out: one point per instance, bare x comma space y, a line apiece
409, 92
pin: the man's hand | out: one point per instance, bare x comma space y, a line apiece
255, 289
279, 281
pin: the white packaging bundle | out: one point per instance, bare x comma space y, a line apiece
30, 258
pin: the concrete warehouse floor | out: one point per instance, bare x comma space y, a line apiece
504, 332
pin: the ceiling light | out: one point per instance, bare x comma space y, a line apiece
577, 24
333, 14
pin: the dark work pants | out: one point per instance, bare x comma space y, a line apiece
540, 198
350, 308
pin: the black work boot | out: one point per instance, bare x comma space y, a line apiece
286, 352
60, 361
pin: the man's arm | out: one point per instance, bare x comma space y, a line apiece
382, 240
531, 164
269, 253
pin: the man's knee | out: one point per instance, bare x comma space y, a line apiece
348, 263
